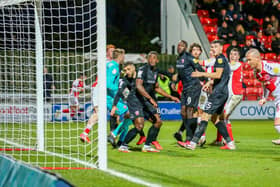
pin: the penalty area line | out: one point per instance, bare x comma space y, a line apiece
109, 171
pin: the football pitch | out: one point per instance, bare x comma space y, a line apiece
254, 163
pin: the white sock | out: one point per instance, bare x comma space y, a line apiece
277, 127
198, 120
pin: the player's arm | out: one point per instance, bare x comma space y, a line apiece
266, 93
122, 86
215, 75
142, 90
163, 93
112, 76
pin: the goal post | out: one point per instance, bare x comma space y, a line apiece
45, 47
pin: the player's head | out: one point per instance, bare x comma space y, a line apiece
153, 58
109, 51
182, 47
217, 47
82, 77
45, 70
234, 55
195, 50
253, 57
129, 70
118, 55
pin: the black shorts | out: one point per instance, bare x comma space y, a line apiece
141, 109
216, 103
190, 98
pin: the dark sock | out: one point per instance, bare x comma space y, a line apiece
193, 122
223, 131
130, 136
142, 133
113, 123
189, 132
156, 134
182, 127
200, 129
151, 134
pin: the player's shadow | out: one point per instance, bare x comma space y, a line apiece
156, 175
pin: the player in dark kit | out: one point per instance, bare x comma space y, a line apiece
145, 105
217, 98
186, 64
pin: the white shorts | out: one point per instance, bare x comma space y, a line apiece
232, 103
94, 96
202, 100
73, 101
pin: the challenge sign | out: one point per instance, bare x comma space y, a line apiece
252, 110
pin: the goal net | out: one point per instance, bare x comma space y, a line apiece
47, 47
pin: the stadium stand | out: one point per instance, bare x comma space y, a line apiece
260, 36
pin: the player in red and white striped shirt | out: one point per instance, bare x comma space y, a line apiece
268, 73
78, 86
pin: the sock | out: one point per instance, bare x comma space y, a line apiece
193, 123
229, 129
66, 110
199, 131
141, 133
86, 131
219, 137
130, 136
223, 130
156, 134
189, 132
123, 133
198, 120
113, 123
72, 114
182, 128
277, 127
151, 134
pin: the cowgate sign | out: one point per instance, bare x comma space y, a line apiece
252, 110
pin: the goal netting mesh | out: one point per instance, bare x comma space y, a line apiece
57, 38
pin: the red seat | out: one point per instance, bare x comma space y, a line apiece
262, 55
202, 13
252, 93
207, 21
278, 58
270, 56
225, 47
210, 29
212, 37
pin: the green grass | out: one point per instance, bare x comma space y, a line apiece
255, 162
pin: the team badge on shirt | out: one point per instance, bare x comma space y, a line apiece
220, 60
276, 70
195, 61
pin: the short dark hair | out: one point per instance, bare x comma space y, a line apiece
152, 53
221, 42
184, 42
193, 45
235, 50
128, 64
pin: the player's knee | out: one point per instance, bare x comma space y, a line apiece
158, 124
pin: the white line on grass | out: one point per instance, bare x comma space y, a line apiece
110, 171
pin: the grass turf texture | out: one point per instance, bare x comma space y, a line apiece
254, 163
